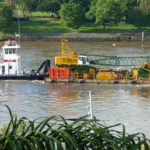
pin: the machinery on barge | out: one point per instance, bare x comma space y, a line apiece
10, 64
71, 66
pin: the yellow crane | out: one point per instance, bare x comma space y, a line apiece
69, 58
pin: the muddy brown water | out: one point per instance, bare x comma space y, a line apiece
126, 104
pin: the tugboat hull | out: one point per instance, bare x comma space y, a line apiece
22, 77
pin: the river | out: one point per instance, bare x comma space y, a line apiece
126, 104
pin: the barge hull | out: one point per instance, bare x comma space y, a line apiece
81, 81
22, 77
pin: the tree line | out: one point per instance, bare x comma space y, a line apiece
74, 13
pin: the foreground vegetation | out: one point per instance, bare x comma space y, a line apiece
56, 132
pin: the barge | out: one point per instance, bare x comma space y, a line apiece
71, 67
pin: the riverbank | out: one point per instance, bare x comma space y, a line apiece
95, 37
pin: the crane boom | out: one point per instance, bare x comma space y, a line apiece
63, 45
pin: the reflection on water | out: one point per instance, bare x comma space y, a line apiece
127, 104
144, 92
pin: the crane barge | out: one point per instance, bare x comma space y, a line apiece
74, 67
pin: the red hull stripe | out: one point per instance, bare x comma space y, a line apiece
10, 60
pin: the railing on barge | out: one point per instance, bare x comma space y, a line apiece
120, 61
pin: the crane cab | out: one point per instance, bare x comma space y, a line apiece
83, 60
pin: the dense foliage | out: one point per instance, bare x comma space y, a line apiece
139, 18
5, 15
55, 132
102, 12
108, 11
73, 10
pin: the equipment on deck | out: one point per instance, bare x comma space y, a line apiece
144, 71
46, 63
72, 66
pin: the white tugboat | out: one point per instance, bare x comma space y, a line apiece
9, 58
10, 61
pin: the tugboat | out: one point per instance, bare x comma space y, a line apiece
9, 58
10, 61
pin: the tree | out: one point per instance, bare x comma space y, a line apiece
29, 5
139, 18
85, 4
91, 14
45, 5
5, 15
127, 6
23, 4
71, 15
108, 12
50, 5
145, 4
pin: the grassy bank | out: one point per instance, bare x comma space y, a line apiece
56, 132
40, 26
33, 26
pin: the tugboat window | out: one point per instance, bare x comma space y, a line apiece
80, 58
14, 51
6, 51
10, 67
3, 69
10, 51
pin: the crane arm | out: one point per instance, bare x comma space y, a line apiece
69, 50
